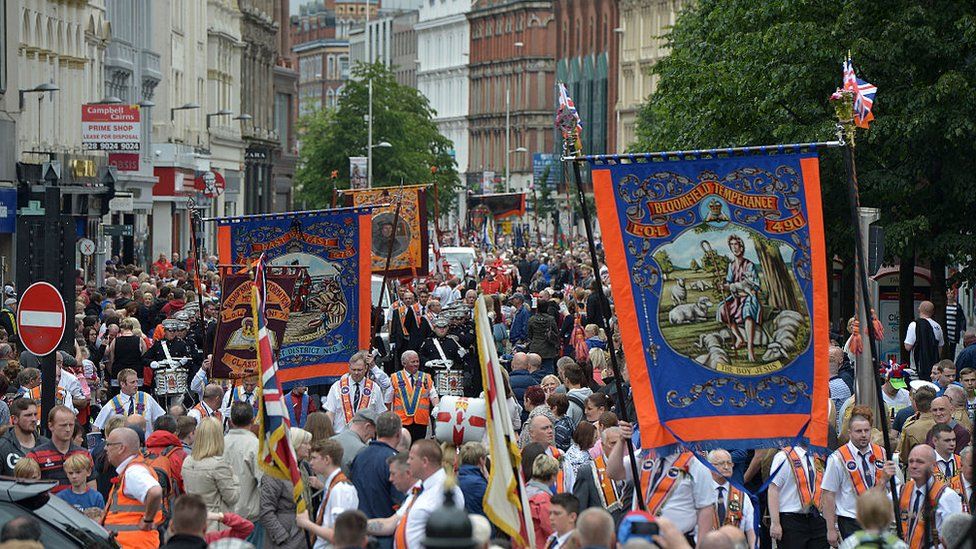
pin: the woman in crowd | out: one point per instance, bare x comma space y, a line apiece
319, 426
539, 492
125, 351
207, 474
549, 384
535, 404
595, 405
579, 451
563, 426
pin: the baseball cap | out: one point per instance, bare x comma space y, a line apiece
518, 296
9, 291
919, 383
366, 415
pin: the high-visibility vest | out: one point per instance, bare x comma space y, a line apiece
412, 403
915, 535
123, 515
204, 414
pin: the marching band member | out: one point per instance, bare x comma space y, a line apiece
130, 401
353, 392
442, 357
213, 394
794, 499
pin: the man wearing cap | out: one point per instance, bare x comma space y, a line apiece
895, 389
353, 392
353, 439
442, 357
167, 348
8, 315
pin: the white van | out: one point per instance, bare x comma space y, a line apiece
459, 259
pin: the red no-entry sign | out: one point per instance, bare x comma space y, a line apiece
41, 318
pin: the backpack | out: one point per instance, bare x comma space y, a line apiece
163, 468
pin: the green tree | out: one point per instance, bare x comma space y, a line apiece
694, 265
664, 261
402, 117
751, 73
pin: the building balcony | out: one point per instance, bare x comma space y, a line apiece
120, 56
151, 65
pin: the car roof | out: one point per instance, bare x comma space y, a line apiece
12, 489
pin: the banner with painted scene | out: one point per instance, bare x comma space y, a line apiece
717, 269
234, 354
329, 316
409, 237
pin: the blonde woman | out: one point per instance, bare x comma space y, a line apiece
207, 474
549, 384
301, 441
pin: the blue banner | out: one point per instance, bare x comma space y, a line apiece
717, 267
330, 313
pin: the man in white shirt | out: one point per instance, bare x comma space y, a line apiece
732, 506
130, 401
338, 495
246, 392
851, 470
966, 456
926, 344
563, 509
678, 485
794, 496
352, 393
427, 495
69, 382
209, 406
921, 484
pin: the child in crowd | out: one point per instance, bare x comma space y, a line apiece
78, 468
27, 469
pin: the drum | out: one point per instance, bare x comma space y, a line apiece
448, 381
170, 381
460, 420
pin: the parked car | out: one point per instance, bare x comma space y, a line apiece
61, 524
459, 259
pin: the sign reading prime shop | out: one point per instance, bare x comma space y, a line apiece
110, 127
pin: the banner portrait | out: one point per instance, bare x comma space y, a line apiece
408, 238
718, 274
234, 354
329, 317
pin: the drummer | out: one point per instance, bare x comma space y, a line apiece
443, 358
170, 349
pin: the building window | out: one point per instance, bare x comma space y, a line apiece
282, 108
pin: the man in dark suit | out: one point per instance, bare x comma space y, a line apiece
594, 488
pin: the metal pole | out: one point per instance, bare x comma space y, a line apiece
369, 127
508, 131
605, 310
865, 307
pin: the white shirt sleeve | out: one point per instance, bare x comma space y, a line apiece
910, 334
195, 414
704, 492
833, 474
153, 410
107, 411
780, 478
138, 482
343, 498
330, 403
71, 384
386, 384
747, 512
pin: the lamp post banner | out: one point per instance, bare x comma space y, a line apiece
718, 270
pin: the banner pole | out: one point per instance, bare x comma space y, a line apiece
197, 283
389, 251
865, 305
605, 311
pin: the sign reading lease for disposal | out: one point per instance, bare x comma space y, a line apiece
110, 127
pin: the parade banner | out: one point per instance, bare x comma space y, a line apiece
235, 354
409, 237
330, 310
718, 272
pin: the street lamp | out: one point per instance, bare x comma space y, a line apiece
110, 100
507, 153
221, 112
185, 107
41, 88
369, 160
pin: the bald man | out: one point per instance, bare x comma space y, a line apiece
942, 410
210, 405
138, 488
924, 339
919, 486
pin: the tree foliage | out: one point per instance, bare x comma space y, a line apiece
402, 117
742, 73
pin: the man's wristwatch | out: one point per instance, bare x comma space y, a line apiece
148, 521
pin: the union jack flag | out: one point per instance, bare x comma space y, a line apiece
568, 119
275, 454
864, 93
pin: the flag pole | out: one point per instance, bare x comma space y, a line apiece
844, 106
389, 258
605, 311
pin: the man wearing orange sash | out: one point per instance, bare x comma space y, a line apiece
794, 500
732, 506
595, 488
414, 395
948, 466
676, 486
916, 512
407, 525
352, 393
851, 470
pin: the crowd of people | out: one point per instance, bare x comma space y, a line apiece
184, 472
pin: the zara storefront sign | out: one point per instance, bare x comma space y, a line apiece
114, 128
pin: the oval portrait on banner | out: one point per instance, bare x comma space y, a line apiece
384, 233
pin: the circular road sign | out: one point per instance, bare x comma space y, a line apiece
41, 318
86, 246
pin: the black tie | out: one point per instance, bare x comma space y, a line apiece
355, 402
868, 477
247, 397
918, 501
811, 474
720, 502
948, 468
132, 405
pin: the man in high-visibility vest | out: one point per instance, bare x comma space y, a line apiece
133, 509
414, 395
